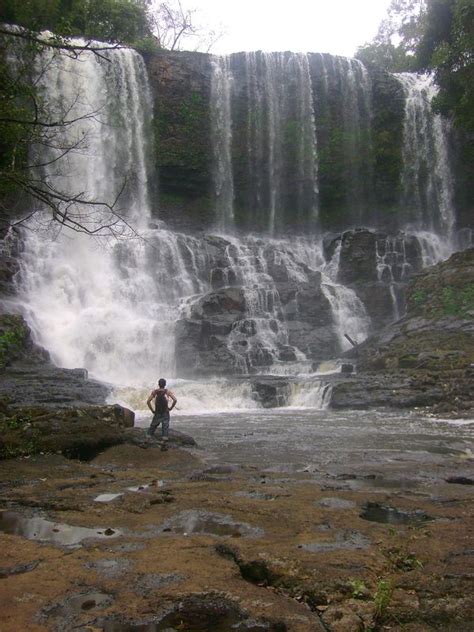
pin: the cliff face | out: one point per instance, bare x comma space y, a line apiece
358, 117
181, 86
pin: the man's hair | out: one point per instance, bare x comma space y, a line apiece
162, 382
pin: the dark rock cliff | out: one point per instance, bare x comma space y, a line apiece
427, 357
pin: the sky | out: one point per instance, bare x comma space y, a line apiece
323, 26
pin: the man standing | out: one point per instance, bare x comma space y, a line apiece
161, 411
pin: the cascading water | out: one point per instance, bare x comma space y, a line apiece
427, 180
221, 131
343, 107
90, 304
272, 93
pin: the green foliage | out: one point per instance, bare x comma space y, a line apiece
359, 588
109, 20
382, 597
448, 300
385, 55
457, 302
10, 340
402, 560
446, 48
394, 47
435, 36
419, 297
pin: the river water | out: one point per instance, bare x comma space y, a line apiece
355, 448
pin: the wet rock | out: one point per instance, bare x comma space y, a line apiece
139, 437
18, 569
75, 432
68, 611
255, 495
198, 521
350, 616
271, 392
460, 480
110, 567
26, 385
154, 581
358, 257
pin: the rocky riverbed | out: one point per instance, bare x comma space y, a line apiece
348, 530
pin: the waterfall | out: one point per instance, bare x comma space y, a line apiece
93, 304
310, 394
392, 266
167, 303
427, 180
221, 133
108, 159
343, 98
278, 157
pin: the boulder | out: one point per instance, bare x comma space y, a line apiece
74, 432
357, 262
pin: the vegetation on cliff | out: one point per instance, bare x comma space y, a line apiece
436, 36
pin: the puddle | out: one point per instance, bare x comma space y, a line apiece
390, 515
344, 540
198, 614
195, 522
126, 547
106, 498
46, 531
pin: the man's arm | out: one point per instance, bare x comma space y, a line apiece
171, 396
149, 400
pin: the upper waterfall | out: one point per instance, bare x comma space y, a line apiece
103, 154
269, 97
300, 143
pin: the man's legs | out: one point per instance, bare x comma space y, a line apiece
165, 425
155, 422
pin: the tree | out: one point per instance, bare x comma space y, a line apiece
124, 21
395, 45
446, 48
176, 26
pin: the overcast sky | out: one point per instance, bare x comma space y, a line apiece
325, 26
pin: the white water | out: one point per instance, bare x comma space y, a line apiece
310, 394
194, 397
427, 180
